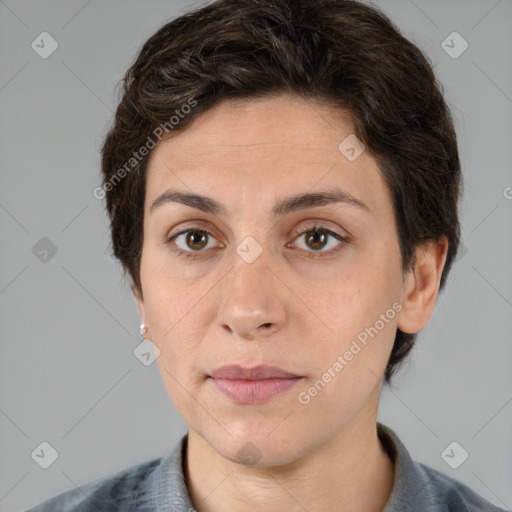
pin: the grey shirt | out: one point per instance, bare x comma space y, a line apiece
159, 485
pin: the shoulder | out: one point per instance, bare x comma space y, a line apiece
451, 495
126, 490
422, 488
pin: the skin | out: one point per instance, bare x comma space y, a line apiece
283, 308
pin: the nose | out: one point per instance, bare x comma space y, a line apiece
252, 301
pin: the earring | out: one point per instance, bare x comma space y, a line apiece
143, 330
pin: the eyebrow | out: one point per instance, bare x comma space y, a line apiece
290, 204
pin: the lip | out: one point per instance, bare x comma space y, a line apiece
264, 371
252, 385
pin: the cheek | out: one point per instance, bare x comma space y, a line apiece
169, 305
368, 326
361, 316
347, 373
176, 336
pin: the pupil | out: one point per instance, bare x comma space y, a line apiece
317, 245
194, 233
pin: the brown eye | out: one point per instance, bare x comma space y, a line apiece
192, 240
196, 239
317, 238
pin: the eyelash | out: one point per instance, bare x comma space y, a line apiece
193, 255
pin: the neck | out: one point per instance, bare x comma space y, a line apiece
351, 472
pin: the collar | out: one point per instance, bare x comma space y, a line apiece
413, 486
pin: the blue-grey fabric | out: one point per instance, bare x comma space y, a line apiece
159, 486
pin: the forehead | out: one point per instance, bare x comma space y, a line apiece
265, 147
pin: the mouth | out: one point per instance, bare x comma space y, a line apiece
252, 385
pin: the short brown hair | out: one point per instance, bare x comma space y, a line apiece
344, 52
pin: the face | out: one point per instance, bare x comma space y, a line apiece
313, 288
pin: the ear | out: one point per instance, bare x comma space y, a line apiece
137, 293
421, 286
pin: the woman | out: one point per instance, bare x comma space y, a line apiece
282, 180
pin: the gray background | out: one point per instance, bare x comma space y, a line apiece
69, 325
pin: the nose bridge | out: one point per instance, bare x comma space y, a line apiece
250, 266
249, 298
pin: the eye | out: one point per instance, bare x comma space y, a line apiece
193, 241
190, 241
317, 238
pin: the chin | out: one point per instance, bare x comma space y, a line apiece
255, 448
